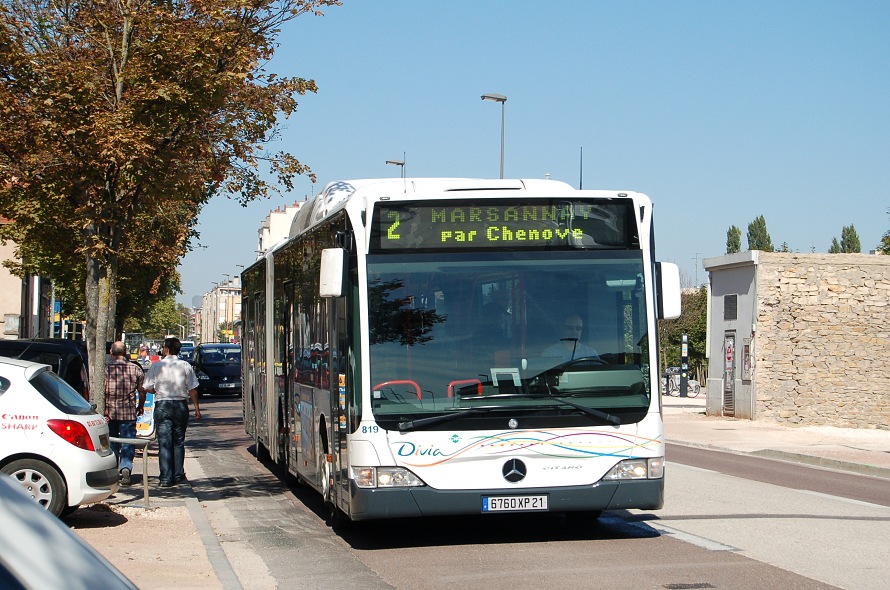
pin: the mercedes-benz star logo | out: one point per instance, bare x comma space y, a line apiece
514, 470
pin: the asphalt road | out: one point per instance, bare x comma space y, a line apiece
729, 522
874, 490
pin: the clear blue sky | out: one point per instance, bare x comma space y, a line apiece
719, 111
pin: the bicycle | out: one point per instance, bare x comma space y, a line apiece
672, 387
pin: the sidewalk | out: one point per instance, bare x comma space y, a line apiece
168, 544
173, 545
846, 449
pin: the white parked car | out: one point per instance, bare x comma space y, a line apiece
52, 441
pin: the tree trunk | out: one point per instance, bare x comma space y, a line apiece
91, 335
101, 301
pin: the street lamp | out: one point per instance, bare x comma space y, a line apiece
503, 100
227, 295
399, 163
213, 319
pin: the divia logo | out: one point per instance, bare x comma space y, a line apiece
455, 438
408, 449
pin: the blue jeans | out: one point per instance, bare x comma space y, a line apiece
171, 419
123, 452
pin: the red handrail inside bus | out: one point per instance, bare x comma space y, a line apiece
464, 382
399, 382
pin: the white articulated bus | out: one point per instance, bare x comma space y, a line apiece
455, 346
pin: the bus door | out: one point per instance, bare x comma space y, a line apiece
283, 383
339, 415
312, 399
257, 391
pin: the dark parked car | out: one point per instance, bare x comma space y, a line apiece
68, 358
187, 350
218, 368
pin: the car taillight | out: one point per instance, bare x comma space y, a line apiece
73, 432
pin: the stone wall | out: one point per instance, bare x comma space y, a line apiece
822, 343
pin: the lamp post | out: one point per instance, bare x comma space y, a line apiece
229, 307
503, 100
214, 296
400, 164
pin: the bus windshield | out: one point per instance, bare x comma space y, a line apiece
522, 331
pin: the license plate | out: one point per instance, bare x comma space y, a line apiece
103, 441
228, 385
513, 503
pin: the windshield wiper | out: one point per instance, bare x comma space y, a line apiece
610, 418
423, 422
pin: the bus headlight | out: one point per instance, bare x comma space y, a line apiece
638, 469
385, 477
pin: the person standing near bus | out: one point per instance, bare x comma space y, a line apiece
173, 382
123, 380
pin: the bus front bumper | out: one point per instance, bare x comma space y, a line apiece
376, 503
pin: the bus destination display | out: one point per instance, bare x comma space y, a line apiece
502, 224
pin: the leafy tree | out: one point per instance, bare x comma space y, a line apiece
850, 240
142, 291
161, 318
758, 237
884, 245
784, 247
693, 322
117, 114
849, 243
733, 240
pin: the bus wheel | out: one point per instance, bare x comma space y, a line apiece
324, 470
337, 519
262, 453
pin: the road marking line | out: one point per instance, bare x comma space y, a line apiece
692, 539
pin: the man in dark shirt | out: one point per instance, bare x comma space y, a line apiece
123, 380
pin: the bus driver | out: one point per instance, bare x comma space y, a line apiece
569, 346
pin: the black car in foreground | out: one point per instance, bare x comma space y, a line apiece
218, 368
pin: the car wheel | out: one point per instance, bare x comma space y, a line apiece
42, 482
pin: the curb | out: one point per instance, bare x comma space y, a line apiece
835, 464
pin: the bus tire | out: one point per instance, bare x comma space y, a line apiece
337, 519
262, 453
324, 471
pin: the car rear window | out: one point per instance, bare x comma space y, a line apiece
221, 355
60, 394
45, 358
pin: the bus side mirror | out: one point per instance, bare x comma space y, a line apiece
668, 285
333, 265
